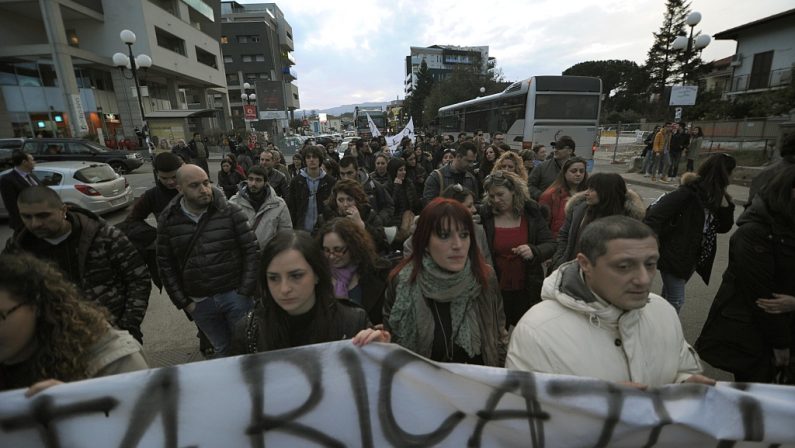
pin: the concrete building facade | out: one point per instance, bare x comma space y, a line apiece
442, 59
257, 46
57, 76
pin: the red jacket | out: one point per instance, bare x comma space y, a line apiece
554, 199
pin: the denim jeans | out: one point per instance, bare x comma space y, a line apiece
673, 290
658, 164
673, 171
217, 315
647, 161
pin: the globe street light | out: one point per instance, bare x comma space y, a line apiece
133, 63
688, 43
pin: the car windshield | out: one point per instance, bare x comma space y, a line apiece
95, 174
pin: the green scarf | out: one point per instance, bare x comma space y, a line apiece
411, 319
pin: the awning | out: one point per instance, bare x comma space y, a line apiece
181, 113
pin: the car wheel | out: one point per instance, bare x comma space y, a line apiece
119, 167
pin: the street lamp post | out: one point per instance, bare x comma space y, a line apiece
248, 98
688, 43
133, 63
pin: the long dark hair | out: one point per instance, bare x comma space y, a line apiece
437, 217
360, 243
714, 175
560, 184
273, 317
612, 192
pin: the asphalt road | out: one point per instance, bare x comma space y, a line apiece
169, 338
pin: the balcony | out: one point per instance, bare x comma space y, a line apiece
289, 74
776, 79
288, 56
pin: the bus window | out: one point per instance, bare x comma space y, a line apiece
567, 107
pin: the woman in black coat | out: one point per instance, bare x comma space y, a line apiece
407, 203
687, 222
518, 256
750, 331
228, 179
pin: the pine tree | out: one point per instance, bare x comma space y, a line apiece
663, 63
420, 93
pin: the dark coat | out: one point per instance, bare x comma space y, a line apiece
223, 258
569, 234
405, 197
347, 319
298, 199
109, 270
372, 224
542, 177
229, 182
377, 195
10, 186
678, 219
373, 286
738, 336
540, 240
279, 182
433, 187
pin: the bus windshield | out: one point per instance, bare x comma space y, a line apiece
567, 107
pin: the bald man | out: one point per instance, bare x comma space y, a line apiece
207, 256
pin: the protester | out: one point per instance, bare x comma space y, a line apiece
679, 143
490, 156
357, 272
606, 195
349, 201
267, 213
598, 318
787, 152
424, 158
379, 174
207, 255
295, 167
456, 172
276, 179
377, 195
687, 222
571, 179
297, 306
528, 160
693, 150
228, 180
544, 174
447, 157
232, 159
443, 302
407, 204
519, 241
415, 172
198, 147
49, 334
97, 257
749, 330
511, 162
661, 150
309, 190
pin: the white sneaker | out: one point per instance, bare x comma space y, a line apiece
646, 174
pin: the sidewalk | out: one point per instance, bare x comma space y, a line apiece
738, 192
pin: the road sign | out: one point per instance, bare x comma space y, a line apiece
683, 95
678, 114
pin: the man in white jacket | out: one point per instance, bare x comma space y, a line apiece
267, 213
599, 319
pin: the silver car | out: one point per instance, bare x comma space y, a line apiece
90, 185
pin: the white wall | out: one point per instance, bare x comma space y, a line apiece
779, 37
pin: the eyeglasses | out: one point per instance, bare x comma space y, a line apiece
4, 314
336, 251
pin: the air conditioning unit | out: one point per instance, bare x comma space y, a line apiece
737, 60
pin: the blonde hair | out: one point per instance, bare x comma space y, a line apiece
513, 183
519, 169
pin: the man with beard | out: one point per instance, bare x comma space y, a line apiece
267, 213
207, 256
277, 180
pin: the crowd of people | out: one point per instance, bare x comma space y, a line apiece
459, 250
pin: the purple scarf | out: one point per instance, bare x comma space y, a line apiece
343, 277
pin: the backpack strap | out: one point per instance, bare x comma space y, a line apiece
441, 180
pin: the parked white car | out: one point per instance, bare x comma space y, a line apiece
90, 185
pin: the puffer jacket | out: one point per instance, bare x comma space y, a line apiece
109, 269
223, 258
271, 217
678, 219
569, 234
573, 332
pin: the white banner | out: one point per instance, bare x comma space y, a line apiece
382, 395
683, 95
394, 140
373, 128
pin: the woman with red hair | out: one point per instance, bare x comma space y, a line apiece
444, 302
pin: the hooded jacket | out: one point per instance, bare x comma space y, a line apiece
271, 217
300, 195
569, 234
678, 219
574, 332
108, 269
224, 257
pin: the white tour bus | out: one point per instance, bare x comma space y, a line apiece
534, 111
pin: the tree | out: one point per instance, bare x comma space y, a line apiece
415, 101
623, 82
663, 63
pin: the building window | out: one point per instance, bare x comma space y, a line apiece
242, 39
228, 60
248, 39
760, 70
206, 58
247, 58
259, 58
169, 41
250, 76
232, 79
224, 40
71, 37
7, 75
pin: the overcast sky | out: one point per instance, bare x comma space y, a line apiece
354, 51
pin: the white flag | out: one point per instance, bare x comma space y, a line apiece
408, 131
373, 128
